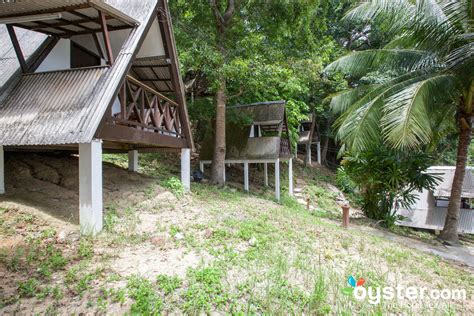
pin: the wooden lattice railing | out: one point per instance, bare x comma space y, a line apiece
144, 108
285, 148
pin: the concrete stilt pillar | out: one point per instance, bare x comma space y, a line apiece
246, 176
265, 171
308, 154
186, 168
90, 187
133, 160
2, 171
290, 177
319, 152
224, 174
277, 179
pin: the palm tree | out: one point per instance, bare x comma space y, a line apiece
433, 59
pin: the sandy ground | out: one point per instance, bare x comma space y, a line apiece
49, 183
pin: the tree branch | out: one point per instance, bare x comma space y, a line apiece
217, 14
222, 20
229, 12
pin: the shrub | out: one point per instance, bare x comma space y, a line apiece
388, 179
344, 182
175, 185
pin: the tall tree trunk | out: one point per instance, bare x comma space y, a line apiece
218, 158
223, 22
450, 231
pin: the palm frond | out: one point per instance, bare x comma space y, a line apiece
406, 117
424, 24
341, 101
359, 126
360, 63
397, 12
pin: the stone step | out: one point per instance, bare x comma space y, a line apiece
301, 201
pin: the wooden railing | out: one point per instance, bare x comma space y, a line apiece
144, 108
285, 148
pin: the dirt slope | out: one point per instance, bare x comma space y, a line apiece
213, 251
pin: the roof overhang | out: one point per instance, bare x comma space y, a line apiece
64, 19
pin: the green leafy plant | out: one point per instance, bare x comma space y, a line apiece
175, 185
344, 182
388, 180
28, 288
168, 284
86, 248
147, 301
204, 291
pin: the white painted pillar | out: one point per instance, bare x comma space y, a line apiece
90, 187
246, 176
265, 171
133, 160
308, 154
2, 171
290, 177
186, 168
277, 179
319, 152
224, 174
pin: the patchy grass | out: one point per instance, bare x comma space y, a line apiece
237, 253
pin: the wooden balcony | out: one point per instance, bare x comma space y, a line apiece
146, 116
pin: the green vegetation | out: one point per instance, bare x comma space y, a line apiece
146, 299
387, 180
174, 185
428, 93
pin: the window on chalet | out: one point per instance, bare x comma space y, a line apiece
465, 203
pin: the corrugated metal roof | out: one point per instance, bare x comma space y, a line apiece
443, 188
67, 107
114, 8
155, 72
263, 112
29, 42
26, 7
49, 108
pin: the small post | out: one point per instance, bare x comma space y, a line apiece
265, 171
224, 174
201, 166
345, 215
277, 179
133, 160
307, 203
186, 168
90, 187
246, 176
290, 177
2, 171
308, 154
319, 152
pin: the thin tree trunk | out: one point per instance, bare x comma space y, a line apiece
450, 231
218, 158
